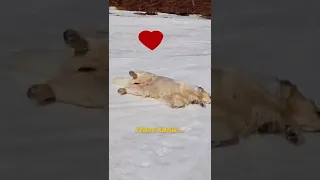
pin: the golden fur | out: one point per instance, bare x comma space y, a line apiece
176, 94
83, 81
248, 103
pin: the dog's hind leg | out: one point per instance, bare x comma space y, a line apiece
175, 101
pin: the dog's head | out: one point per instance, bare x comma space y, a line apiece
203, 95
305, 111
141, 77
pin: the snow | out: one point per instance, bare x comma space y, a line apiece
184, 54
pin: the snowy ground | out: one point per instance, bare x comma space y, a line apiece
184, 54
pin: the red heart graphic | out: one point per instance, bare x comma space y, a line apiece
151, 39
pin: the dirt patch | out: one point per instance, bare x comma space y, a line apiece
178, 7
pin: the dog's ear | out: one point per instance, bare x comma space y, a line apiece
285, 82
74, 40
201, 89
316, 107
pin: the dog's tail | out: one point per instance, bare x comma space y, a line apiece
121, 81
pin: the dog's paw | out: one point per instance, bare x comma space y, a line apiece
202, 104
133, 74
293, 137
42, 93
122, 91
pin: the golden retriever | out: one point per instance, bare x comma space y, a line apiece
176, 94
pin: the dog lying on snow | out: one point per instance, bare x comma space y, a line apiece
246, 103
84, 81
174, 93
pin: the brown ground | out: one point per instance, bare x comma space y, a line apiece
179, 7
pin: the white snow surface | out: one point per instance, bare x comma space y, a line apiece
184, 54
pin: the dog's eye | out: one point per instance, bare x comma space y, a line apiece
86, 69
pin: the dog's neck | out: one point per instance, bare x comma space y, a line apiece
149, 80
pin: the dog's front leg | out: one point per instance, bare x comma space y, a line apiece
291, 129
195, 99
134, 90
